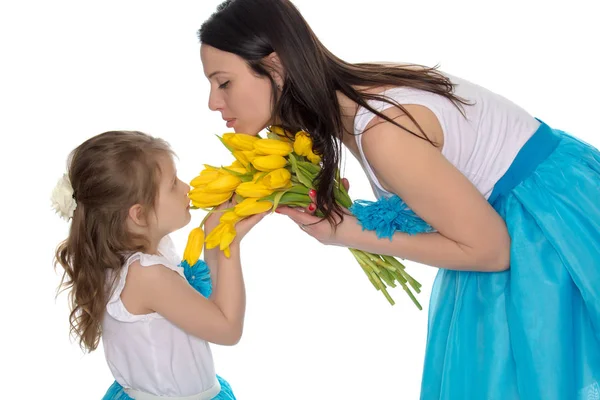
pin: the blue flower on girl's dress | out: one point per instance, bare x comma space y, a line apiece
198, 275
388, 215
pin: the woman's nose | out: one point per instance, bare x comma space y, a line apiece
215, 102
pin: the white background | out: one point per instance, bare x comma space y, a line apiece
315, 328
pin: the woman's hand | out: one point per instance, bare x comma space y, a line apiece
318, 227
312, 207
315, 226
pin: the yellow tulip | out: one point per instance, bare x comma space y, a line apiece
251, 189
230, 217
239, 141
257, 176
193, 247
269, 163
277, 130
303, 146
221, 236
302, 143
203, 199
273, 146
281, 134
214, 237
206, 176
252, 206
239, 170
244, 157
313, 158
277, 179
236, 164
226, 183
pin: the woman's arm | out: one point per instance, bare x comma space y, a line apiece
470, 234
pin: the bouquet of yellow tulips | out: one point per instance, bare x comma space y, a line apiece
268, 172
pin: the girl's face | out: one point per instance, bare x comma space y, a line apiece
172, 204
243, 98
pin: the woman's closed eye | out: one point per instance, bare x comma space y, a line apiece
224, 85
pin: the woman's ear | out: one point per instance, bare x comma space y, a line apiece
273, 64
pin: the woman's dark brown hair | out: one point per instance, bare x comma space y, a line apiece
109, 173
253, 29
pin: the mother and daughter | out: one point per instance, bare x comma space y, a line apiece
511, 202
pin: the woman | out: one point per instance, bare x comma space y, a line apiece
512, 202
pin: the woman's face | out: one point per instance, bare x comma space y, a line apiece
242, 97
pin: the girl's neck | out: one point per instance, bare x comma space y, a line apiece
154, 241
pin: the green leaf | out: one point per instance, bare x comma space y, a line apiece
262, 175
211, 211
293, 162
225, 144
277, 199
238, 198
287, 198
299, 172
234, 173
312, 168
306, 172
343, 200
300, 189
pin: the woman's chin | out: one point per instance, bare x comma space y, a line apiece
245, 132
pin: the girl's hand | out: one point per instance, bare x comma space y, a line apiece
244, 226
213, 219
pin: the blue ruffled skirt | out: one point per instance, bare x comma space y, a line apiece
116, 392
198, 276
532, 332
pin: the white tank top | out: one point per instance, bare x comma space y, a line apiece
147, 352
481, 146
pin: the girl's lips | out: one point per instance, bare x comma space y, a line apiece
230, 123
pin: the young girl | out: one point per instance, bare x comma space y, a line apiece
512, 203
123, 198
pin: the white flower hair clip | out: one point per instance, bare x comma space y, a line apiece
63, 199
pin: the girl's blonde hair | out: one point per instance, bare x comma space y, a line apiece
109, 173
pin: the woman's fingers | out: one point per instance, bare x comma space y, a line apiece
298, 215
346, 184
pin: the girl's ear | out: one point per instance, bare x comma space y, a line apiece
137, 215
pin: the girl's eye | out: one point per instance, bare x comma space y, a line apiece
224, 85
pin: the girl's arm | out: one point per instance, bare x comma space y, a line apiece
470, 234
219, 319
